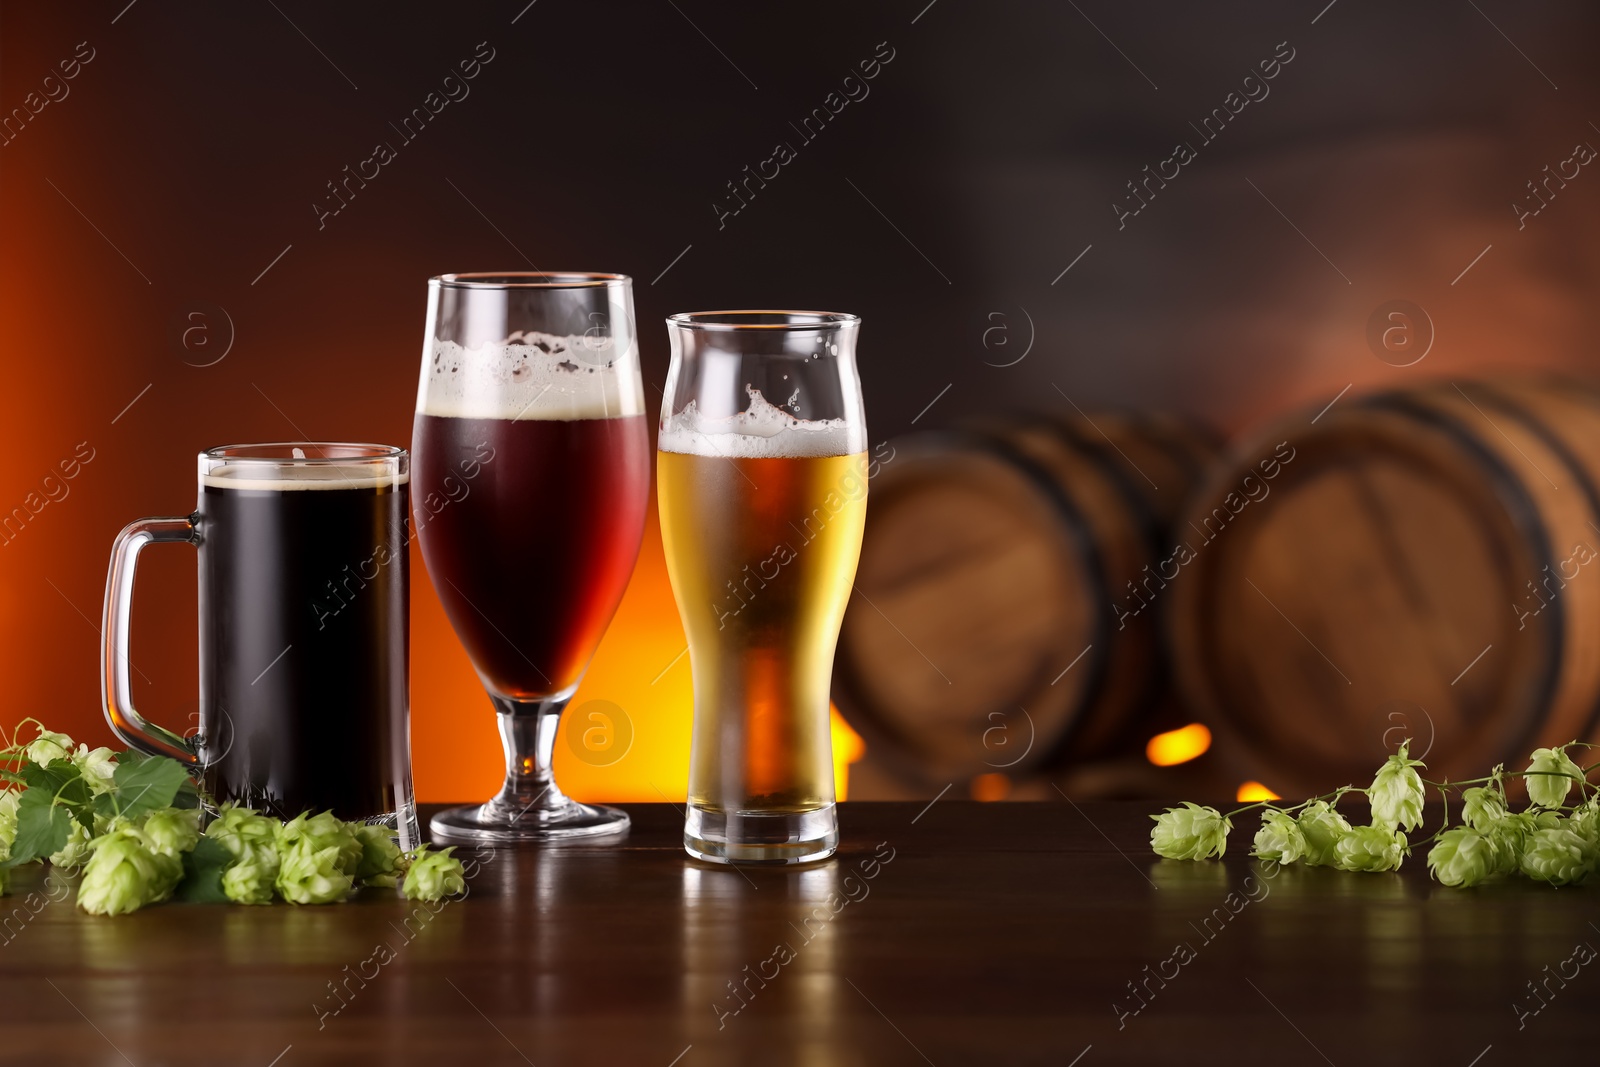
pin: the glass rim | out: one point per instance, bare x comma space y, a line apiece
280, 453
750, 319
530, 279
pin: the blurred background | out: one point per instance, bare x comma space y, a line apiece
184, 262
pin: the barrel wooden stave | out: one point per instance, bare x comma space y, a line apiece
1032, 666
1380, 574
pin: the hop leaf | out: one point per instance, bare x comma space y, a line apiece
1323, 828
1371, 848
147, 784
42, 826
1555, 855
1463, 857
433, 875
123, 875
1279, 838
1397, 792
1550, 776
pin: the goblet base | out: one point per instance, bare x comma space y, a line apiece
502, 824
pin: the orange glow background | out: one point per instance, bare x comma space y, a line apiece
84, 332
99, 267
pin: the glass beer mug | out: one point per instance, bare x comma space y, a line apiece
304, 643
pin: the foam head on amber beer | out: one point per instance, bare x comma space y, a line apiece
532, 376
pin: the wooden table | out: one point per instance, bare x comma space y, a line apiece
973, 934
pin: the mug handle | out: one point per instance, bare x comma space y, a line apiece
116, 689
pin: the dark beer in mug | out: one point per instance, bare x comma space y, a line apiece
307, 684
304, 613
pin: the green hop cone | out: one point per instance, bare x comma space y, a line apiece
123, 874
1585, 822
311, 875
253, 876
322, 831
1191, 832
8, 820
253, 839
433, 876
1463, 857
1550, 776
238, 829
1279, 838
171, 831
49, 747
1511, 834
1482, 807
317, 859
75, 853
1555, 855
1323, 828
1371, 848
98, 767
381, 858
1396, 792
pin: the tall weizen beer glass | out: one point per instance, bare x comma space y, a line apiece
532, 474
763, 492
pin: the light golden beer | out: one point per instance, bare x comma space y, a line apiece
762, 556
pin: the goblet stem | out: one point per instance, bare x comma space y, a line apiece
528, 735
530, 806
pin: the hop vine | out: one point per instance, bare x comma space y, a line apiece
1549, 841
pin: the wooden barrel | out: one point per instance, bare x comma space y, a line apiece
992, 629
1422, 563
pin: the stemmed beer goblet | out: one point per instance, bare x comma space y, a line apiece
531, 468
